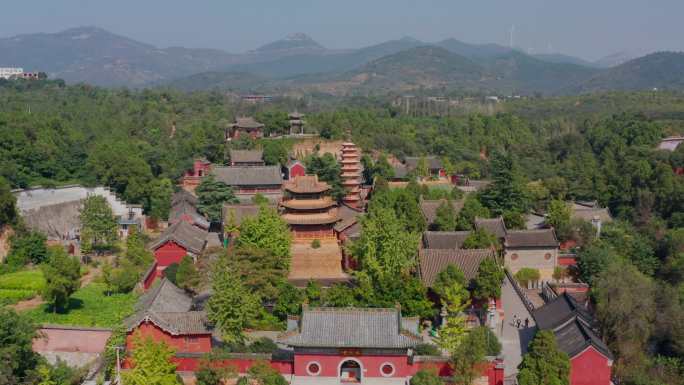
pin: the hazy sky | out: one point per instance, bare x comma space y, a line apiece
585, 28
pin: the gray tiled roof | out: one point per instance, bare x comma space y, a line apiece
246, 156
432, 161
351, 328
238, 212
531, 238
574, 337
348, 218
433, 261
185, 234
429, 208
559, 311
444, 239
249, 175
186, 208
168, 307
572, 325
183, 196
247, 122
495, 226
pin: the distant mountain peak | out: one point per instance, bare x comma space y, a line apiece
294, 41
410, 39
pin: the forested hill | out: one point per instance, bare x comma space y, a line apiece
662, 70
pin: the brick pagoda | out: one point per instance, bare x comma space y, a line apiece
351, 174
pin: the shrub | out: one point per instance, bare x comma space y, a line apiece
170, 272
427, 350
315, 244
526, 275
263, 345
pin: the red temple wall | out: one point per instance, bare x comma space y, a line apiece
590, 368
198, 343
242, 365
169, 253
330, 365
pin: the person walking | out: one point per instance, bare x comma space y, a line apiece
518, 322
527, 323
515, 319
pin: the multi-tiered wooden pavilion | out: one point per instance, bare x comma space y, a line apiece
309, 209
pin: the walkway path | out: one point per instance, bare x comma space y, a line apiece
514, 341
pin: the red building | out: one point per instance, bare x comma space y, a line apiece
309, 209
358, 345
245, 126
192, 178
293, 169
165, 313
351, 174
177, 241
575, 330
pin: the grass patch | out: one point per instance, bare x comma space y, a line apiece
89, 306
23, 280
20, 285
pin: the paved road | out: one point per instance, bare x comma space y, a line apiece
514, 341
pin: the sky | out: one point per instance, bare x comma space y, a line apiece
589, 29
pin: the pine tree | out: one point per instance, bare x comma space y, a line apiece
445, 219
507, 193
211, 195
62, 278
544, 363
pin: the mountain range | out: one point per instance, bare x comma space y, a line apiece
297, 62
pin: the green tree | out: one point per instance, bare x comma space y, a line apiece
288, 302
17, 359
507, 191
480, 239
472, 208
339, 295
422, 170
275, 152
445, 218
455, 300
8, 209
544, 363
426, 377
260, 270
487, 283
262, 373
211, 196
151, 363
559, 214
27, 246
269, 232
213, 372
468, 358
161, 191
594, 259
187, 276
385, 250
62, 278
626, 310
232, 306
487, 336
451, 275
328, 170
98, 225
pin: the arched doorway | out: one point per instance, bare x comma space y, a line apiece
351, 371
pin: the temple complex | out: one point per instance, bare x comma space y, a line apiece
309, 209
351, 174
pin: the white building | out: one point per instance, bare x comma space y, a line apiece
8, 72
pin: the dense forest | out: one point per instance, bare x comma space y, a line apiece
597, 147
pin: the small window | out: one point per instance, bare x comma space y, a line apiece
313, 369
547, 256
387, 369
514, 256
